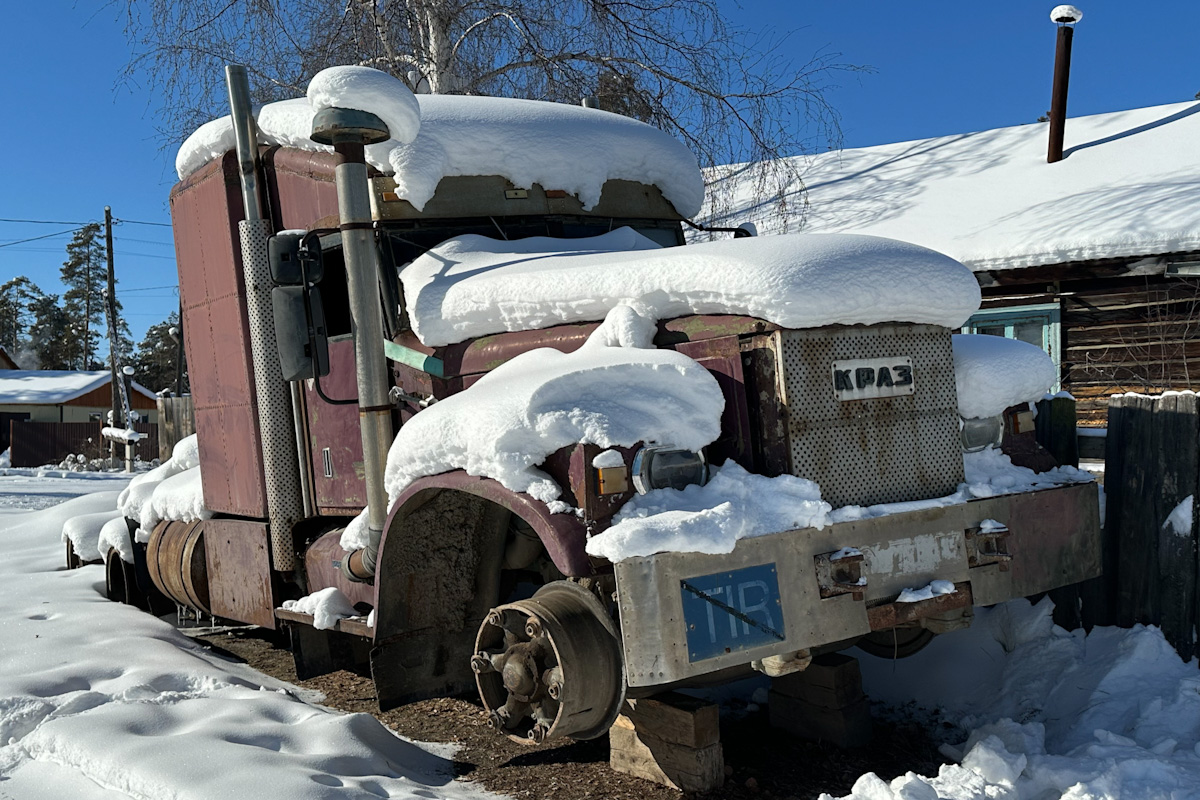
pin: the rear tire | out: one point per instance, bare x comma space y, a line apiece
895, 643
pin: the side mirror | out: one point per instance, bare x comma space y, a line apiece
294, 257
300, 333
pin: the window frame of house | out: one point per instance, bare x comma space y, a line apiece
1047, 315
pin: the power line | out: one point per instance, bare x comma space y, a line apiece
140, 222
150, 288
44, 222
37, 238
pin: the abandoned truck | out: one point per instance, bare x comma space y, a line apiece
452, 358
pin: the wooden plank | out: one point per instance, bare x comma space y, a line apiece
1056, 429
1176, 417
847, 726
687, 769
675, 718
1137, 574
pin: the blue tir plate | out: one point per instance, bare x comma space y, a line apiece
730, 611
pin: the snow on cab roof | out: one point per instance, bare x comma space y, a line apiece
51, 386
558, 146
472, 286
1128, 186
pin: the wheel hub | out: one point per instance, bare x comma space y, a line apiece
550, 666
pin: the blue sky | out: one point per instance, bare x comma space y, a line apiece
76, 138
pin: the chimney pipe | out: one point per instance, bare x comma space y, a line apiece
1066, 17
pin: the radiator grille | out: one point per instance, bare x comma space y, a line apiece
882, 450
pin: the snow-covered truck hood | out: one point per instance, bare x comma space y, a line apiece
473, 286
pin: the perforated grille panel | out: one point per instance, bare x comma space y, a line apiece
284, 501
882, 450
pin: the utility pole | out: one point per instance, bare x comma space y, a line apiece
120, 397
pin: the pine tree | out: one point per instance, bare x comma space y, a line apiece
83, 273
51, 336
16, 314
155, 360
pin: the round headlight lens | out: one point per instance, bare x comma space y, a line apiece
979, 433
657, 467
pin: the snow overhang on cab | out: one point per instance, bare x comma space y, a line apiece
532, 157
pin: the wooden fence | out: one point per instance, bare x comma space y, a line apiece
176, 421
36, 444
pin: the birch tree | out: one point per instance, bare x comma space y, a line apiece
731, 95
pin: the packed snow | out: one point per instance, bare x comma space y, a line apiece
1070, 13
928, 592
83, 532
327, 606
472, 286
1051, 714
100, 701
1179, 521
714, 517
993, 373
558, 146
608, 459
614, 391
990, 200
366, 89
52, 386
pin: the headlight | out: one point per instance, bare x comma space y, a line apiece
656, 467
981, 432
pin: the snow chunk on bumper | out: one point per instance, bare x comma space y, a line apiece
994, 373
543, 400
733, 505
473, 286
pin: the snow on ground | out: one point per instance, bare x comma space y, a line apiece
1051, 714
558, 146
472, 286
100, 701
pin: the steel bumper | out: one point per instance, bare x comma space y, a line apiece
688, 614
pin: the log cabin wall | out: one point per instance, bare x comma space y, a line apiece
1137, 333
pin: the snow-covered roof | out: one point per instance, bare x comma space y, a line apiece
1129, 185
555, 145
51, 386
472, 286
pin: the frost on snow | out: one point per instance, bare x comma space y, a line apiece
555, 145
472, 286
993, 373
327, 606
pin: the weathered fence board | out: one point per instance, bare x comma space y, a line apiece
1152, 462
36, 444
176, 421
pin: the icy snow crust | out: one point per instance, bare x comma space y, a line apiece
990, 200
993, 373
99, 700
1051, 715
472, 286
552, 144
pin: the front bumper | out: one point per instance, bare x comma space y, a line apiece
689, 614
